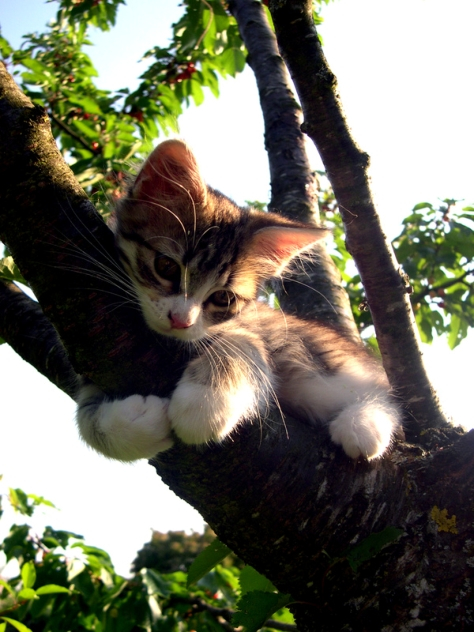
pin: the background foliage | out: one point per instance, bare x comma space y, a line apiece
435, 250
58, 579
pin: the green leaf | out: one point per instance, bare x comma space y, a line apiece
453, 334
5, 49
3, 627
28, 574
251, 579
422, 205
51, 589
10, 271
256, 607
27, 593
19, 501
206, 560
40, 500
90, 106
89, 130
370, 546
232, 61
196, 92
16, 624
36, 66
6, 585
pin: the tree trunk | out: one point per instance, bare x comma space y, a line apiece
281, 495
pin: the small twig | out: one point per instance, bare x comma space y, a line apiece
416, 298
71, 132
227, 614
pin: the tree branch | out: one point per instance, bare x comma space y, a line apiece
416, 298
24, 327
346, 167
67, 254
315, 292
226, 614
72, 133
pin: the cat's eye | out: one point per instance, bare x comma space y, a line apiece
222, 298
167, 268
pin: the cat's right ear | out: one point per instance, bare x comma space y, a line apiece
272, 248
170, 171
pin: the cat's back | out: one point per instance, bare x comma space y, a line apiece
291, 340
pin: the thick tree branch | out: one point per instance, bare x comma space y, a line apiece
346, 167
67, 254
24, 327
315, 292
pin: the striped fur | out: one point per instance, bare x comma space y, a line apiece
196, 262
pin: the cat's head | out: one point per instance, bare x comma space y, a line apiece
194, 257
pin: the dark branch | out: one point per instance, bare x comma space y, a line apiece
67, 254
317, 291
294, 185
346, 166
62, 125
226, 614
24, 327
442, 286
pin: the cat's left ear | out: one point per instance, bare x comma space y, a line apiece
276, 246
170, 172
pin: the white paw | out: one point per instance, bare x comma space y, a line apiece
134, 428
364, 429
200, 414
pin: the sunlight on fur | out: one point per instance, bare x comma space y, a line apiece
194, 264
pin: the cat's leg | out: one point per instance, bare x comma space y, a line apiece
365, 428
125, 429
354, 402
228, 384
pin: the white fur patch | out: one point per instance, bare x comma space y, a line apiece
128, 429
200, 414
364, 429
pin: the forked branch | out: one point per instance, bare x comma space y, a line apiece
347, 169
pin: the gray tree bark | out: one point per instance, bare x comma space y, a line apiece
347, 169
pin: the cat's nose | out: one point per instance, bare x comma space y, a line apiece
180, 322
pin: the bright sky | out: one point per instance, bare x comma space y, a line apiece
405, 77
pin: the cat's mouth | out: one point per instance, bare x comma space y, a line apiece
186, 333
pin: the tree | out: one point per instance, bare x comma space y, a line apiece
358, 546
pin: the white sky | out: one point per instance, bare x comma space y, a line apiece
405, 77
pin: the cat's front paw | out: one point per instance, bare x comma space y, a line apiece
364, 429
128, 429
200, 414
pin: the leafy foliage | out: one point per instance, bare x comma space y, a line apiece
60, 579
100, 132
435, 250
172, 551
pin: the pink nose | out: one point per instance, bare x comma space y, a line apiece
178, 322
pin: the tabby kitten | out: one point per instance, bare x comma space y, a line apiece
196, 262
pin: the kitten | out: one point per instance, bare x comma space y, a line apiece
197, 261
